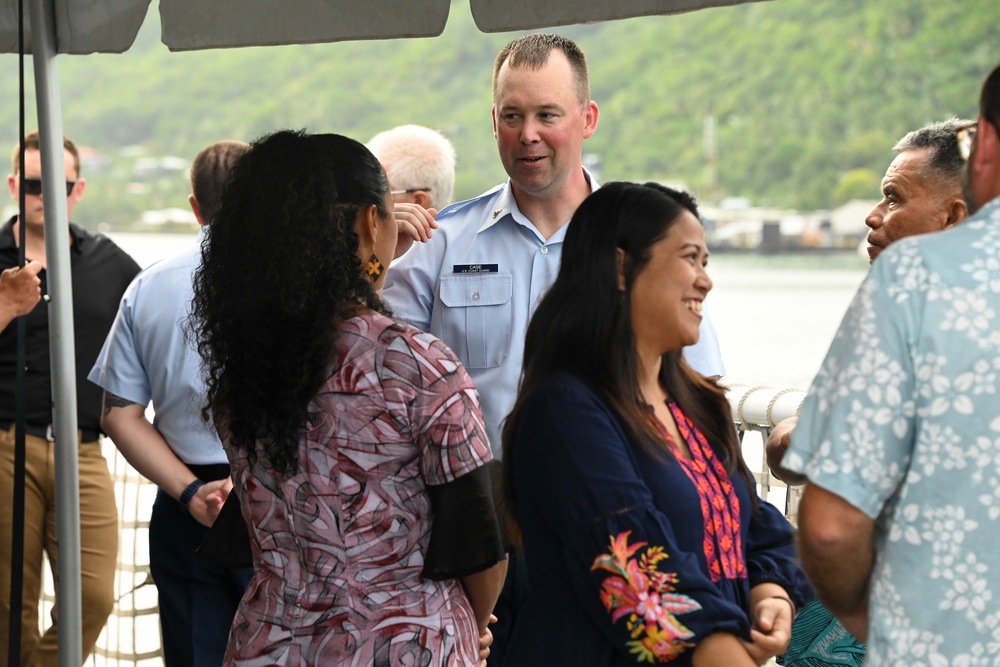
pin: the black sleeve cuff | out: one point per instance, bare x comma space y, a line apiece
465, 533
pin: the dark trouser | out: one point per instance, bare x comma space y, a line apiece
513, 596
198, 598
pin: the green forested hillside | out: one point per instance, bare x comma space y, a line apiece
808, 96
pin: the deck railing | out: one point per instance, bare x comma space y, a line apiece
132, 634
756, 410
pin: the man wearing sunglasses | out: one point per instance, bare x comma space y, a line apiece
899, 438
99, 271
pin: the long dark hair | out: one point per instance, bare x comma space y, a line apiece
278, 274
584, 325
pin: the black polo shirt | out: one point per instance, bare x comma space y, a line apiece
99, 271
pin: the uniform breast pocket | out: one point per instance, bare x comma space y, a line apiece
477, 317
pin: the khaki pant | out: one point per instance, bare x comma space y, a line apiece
98, 544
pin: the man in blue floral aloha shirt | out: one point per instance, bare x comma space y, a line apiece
900, 438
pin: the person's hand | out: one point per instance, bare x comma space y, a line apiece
776, 446
208, 501
21, 288
771, 628
415, 223
485, 641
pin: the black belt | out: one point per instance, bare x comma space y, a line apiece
45, 431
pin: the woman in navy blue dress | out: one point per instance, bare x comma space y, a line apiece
644, 537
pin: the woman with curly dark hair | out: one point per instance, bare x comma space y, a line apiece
357, 445
641, 526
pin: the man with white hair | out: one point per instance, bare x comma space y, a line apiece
420, 165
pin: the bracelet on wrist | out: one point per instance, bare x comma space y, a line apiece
786, 599
188, 494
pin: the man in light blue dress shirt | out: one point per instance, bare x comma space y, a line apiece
900, 438
148, 357
477, 281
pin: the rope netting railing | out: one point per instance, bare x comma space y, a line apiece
132, 633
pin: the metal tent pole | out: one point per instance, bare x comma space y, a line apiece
61, 337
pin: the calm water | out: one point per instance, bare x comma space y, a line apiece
775, 316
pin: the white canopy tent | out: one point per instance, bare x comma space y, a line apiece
110, 26
54, 27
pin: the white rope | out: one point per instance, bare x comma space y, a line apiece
761, 407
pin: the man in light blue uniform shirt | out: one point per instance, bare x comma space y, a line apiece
147, 357
477, 281
900, 438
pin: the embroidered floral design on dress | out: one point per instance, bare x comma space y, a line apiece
720, 506
645, 597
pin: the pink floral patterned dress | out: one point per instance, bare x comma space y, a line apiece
339, 546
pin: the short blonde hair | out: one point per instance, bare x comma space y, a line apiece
31, 143
532, 51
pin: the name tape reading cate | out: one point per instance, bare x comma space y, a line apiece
476, 268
